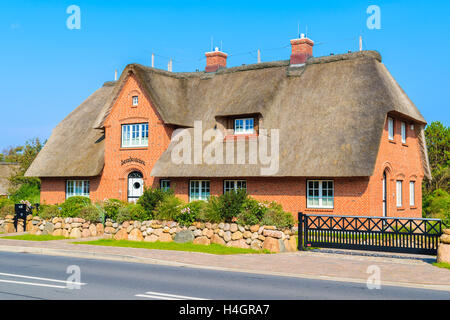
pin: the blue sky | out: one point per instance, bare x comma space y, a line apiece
48, 70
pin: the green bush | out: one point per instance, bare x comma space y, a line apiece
7, 209
132, 212
72, 206
275, 216
187, 216
49, 212
252, 212
198, 210
231, 204
437, 205
30, 192
111, 208
151, 198
90, 213
212, 211
4, 202
169, 208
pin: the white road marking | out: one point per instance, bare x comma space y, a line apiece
155, 297
166, 296
43, 279
34, 284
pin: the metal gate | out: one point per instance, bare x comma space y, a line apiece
404, 235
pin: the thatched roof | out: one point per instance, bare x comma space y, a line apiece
75, 148
6, 171
330, 114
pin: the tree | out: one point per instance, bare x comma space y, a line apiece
437, 137
436, 197
24, 188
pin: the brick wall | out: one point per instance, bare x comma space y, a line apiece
401, 162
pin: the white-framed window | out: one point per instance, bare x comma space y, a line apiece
243, 126
165, 184
412, 193
199, 190
234, 185
403, 130
391, 128
399, 193
135, 135
135, 100
320, 194
77, 188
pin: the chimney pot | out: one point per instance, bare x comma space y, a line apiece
215, 60
302, 49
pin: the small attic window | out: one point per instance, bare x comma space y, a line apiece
135, 101
244, 126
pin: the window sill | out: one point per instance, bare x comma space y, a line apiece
320, 209
413, 208
392, 141
240, 136
132, 148
401, 209
404, 145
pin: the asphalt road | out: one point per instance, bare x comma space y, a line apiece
27, 276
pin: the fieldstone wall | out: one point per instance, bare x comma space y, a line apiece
444, 247
227, 234
67, 227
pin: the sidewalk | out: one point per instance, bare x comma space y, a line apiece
401, 270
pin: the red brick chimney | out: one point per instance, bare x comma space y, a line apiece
302, 49
215, 60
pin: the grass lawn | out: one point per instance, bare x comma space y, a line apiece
442, 265
33, 237
212, 248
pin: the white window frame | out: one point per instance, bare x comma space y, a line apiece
320, 197
165, 184
412, 193
234, 185
128, 130
204, 187
391, 128
399, 189
135, 100
248, 126
77, 188
403, 131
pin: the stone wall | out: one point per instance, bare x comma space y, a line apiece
444, 247
227, 234
67, 227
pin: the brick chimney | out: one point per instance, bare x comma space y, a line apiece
215, 60
302, 49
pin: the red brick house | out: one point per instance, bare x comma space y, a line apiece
344, 137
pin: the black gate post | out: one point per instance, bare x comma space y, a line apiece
300, 232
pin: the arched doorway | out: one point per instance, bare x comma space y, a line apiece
135, 186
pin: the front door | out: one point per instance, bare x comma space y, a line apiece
135, 186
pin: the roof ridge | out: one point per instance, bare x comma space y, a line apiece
262, 65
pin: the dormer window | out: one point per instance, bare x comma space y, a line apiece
135, 101
244, 126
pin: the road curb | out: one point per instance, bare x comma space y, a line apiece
134, 259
